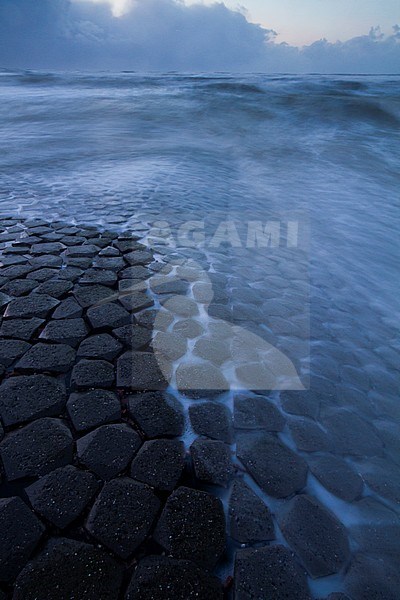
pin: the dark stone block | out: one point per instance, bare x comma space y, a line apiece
56, 358
68, 309
136, 272
165, 578
62, 495
140, 371
36, 449
70, 273
135, 301
10, 350
92, 373
90, 295
277, 469
16, 271
257, 413
133, 336
192, 526
102, 345
99, 276
337, 477
373, 578
20, 533
302, 403
107, 316
94, 408
113, 263
122, 515
383, 477
4, 299
32, 306
159, 463
270, 573
44, 274
317, 537
108, 449
250, 520
212, 461
352, 435
22, 329
67, 331
109, 251
147, 318
83, 251
128, 245
46, 260
17, 287
157, 415
55, 288
30, 397
212, 420
138, 257
309, 437
47, 248
69, 569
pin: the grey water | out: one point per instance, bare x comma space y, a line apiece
127, 150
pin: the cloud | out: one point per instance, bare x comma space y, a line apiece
163, 35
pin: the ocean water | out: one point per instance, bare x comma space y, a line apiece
315, 157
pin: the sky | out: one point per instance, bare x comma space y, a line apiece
329, 36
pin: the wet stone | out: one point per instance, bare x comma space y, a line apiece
136, 272
90, 295
107, 316
212, 461
161, 285
83, 251
373, 578
22, 329
69, 569
62, 495
170, 346
13, 260
102, 345
277, 469
217, 352
92, 409
250, 520
192, 526
156, 414
166, 578
100, 276
302, 403
108, 449
46, 260
47, 248
147, 318
16, 288
159, 463
309, 437
188, 328
123, 515
42, 275
10, 350
70, 273
138, 257
135, 301
127, 245
109, 251
55, 289
257, 413
337, 477
36, 449
383, 477
270, 572
20, 532
92, 373
32, 306
133, 336
16, 271
198, 378
68, 309
317, 537
353, 435
112, 263
56, 358
212, 420
140, 371
30, 397
68, 331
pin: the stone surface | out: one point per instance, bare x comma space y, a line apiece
108, 449
47, 248
68, 309
383, 477
112, 263
30, 397
100, 276
22, 329
62, 495
36, 449
212, 461
317, 537
157, 414
90, 295
67, 331
92, 373
10, 350
250, 520
140, 371
135, 300
55, 289
69, 569
189, 328
200, 378
37, 305
277, 469
42, 275
17, 287
107, 316
159, 463
213, 420
20, 532
133, 336
302, 403
192, 526
136, 272
56, 358
166, 578
352, 435
256, 412
94, 408
101, 345
309, 437
123, 515
269, 573
373, 578
337, 476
